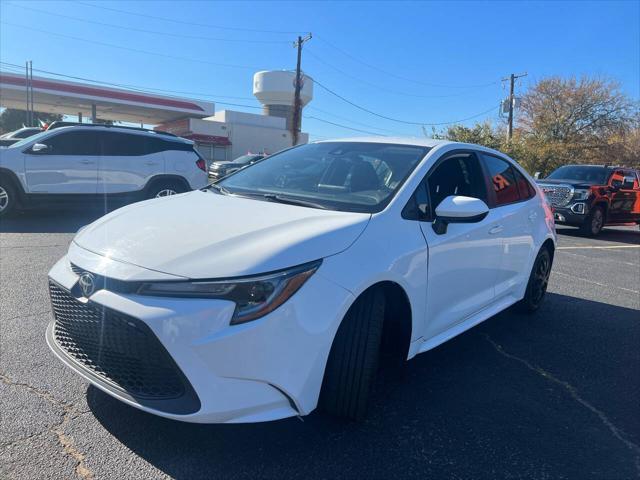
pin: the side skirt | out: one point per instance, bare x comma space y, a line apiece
421, 345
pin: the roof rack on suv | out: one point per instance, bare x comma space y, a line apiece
59, 124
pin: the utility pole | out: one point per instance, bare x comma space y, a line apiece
297, 106
512, 81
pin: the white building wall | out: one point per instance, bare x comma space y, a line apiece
247, 138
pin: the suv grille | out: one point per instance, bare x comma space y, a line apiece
558, 195
120, 350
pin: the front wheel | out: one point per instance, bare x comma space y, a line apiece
7, 198
353, 362
538, 282
594, 222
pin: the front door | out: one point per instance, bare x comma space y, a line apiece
464, 261
624, 198
69, 164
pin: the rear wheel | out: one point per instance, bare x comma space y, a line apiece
538, 282
165, 189
353, 362
594, 222
7, 198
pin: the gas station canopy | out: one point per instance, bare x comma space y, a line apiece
71, 98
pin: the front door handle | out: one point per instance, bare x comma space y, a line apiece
149, 162
496, 229
86, 162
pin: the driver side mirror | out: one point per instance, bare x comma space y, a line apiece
458, 209
39, 148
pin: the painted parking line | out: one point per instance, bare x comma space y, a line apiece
592, 247
595, 283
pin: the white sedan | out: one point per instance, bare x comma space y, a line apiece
279, 289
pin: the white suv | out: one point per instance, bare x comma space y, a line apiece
325, 259
94, 162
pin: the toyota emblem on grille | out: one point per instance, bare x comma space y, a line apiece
87, 284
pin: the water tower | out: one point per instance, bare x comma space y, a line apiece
275, 90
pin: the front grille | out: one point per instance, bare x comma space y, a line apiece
118, 349
558, 195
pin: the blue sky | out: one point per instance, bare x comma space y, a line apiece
428, 62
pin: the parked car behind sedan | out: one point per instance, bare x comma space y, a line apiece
10, 138
217, 170
97, 164
591, 197
324, 260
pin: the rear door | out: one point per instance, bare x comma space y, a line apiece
128, 161
68, 165
511, 199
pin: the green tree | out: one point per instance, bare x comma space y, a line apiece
13, 119
586, 120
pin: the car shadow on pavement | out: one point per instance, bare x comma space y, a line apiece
630, 235
50, 221
518, 396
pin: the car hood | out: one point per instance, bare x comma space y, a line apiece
202, 234
573, 183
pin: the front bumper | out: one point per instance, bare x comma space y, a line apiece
263, 370
573, 214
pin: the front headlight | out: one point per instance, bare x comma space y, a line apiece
254, 296
581, 193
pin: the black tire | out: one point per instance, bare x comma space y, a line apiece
353, 362
165, 189
538, 282
8, 197
594, 222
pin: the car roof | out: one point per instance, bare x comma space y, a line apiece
122, 129
409, 141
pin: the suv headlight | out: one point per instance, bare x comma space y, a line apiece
581, 193
254, 296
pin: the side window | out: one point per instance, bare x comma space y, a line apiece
123, 144
524, 187
459, 174
73, 143
503, 180
616, 179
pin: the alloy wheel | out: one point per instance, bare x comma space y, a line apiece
4, 199
166, 192
541, 278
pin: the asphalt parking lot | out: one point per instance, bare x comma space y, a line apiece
553, 395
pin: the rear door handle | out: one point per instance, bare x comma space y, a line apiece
496, 229
533, 216
86, 162
149, 162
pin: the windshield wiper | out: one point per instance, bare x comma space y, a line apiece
220, 189
292, 201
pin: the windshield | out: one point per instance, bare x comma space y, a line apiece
358, 177
30, 139
593, 175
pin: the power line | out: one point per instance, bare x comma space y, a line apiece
314, 108
155, 32
184, 22
384, 89
397, 119
145, 52
342, 126
406, 79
